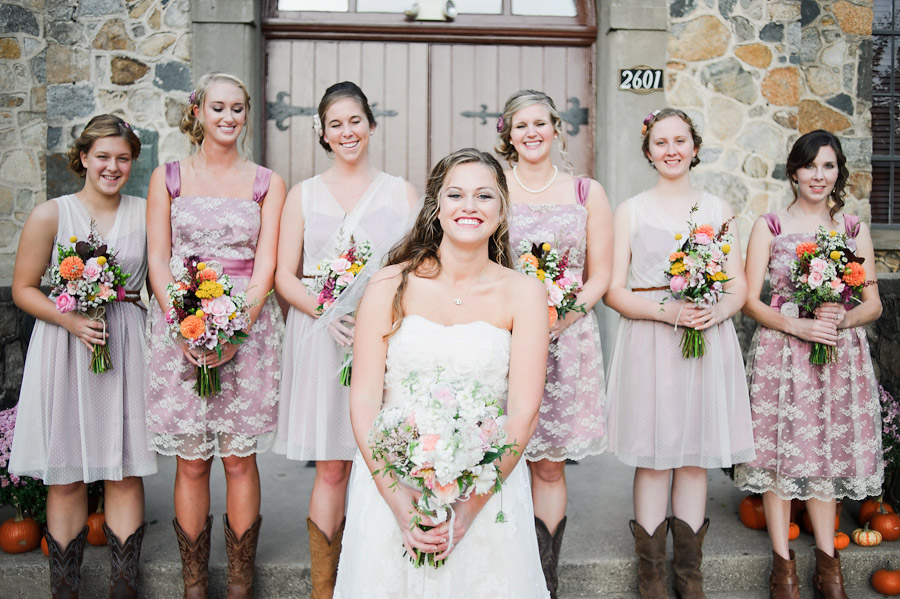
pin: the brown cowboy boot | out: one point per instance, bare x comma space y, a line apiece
688, 549
651, 551
828, 580
548, 547
65, 566
324, 556
194, 560
241, 559
783, 581
123, 560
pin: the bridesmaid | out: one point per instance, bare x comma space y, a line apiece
817, 428
73, 426
218, 205
352, 200
672, 417
573, 215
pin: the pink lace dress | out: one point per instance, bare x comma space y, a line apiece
817, 428
572, 422
239, 420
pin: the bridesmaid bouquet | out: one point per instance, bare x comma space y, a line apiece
87, 278
545, 263
695, 274
332, 277
826, 270
205, 312
445, 443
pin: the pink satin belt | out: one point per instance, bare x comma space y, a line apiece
234, 268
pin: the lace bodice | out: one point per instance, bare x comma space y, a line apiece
475, 350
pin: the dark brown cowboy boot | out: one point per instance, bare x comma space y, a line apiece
688, 549
651, 551
65, 566
123, 561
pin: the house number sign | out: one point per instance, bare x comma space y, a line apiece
641, 79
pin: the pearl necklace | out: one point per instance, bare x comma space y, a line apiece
528, 189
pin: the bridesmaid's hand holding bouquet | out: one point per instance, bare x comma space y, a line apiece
541, 260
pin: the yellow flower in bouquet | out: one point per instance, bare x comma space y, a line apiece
209, 290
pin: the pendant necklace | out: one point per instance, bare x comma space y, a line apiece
528, 189
458, 300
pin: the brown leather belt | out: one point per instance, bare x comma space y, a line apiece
664, 288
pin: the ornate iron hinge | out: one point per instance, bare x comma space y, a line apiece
575, 116
280, 111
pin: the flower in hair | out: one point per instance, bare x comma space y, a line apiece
500, 124
192, 97
126, 124
647, 120
317, 125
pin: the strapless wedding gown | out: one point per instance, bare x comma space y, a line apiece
496, 560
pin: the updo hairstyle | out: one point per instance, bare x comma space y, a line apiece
103, 125
192, 125
516, 102
339, 91
664, 113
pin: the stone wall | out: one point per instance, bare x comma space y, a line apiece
756, 74
62, 62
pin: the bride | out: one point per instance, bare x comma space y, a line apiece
448, 305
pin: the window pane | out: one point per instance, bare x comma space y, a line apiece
881, 190
545, 8
883, 10
479, 7
881, 126
397, 6
318, 5
882, 50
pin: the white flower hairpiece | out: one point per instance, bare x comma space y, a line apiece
317, 125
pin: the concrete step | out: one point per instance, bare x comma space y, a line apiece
597, 557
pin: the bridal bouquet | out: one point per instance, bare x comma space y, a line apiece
826, 270
332, 277
87, 278
695, 274
445, 442
545, 263
205, 312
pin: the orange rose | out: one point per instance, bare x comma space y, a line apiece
71, 268
528, 258
705, 229
676, 255
192, 327
552, 313
854, 274
207, 274
806, 247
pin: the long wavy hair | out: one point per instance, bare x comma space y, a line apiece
805, 150
421, 246
516, 102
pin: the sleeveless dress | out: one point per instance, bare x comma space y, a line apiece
667, 411
73, 425
496, 560
314, 416
240, 419
572, 422
817, 428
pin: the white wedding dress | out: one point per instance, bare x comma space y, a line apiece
496, 560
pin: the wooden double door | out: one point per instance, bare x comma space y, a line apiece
428, 99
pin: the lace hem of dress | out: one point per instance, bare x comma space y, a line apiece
210, 445
559, 454
762, 480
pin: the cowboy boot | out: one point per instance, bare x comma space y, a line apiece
687, 547
828, 581
783, 581
548, 548
324, 556
65, 566
194, 560
651, 551
241, 559
123, 560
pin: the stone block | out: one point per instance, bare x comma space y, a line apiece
67, 64
756, 55
852, 18
38, 65
70, 101
725, 117
145, 102
835, 54
9, 48
744, 31
784, 12
112, 36
9, 137
755, 167
156, 44
860, 184
178, 14
39, 98
98, 8
726, 186
726, 6
703, 38
814, 115
764, 139
729, 78
139, 8
60, 180
174, 111
19, 166
858, 151
684, 93
11, 100
155, 19
842, 102
31, 45
182, 50
781, 86
66, 32
786, 118
681, 8
54, 135
6, 200
17, 19
144, 165
34, 135
822, 81
772, 32
809, 11
126, 71
864, 71
810, 44
172, 76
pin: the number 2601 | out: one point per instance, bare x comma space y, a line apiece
640, 79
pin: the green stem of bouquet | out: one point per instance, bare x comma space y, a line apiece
822, 354
693, 343
207, 381
101, 361
421, 558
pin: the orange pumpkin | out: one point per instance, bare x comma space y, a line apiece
44, 549
864, 537
888, 524
886, 582
95, 522
841, 540
752, 513
19, 534
870, 507
807, 522
793, 531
